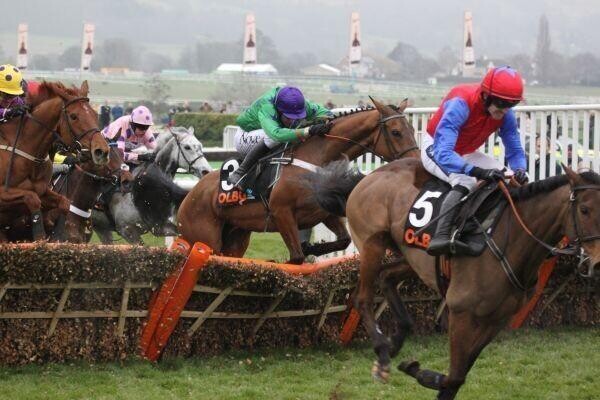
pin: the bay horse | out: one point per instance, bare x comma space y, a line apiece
482, 296
60, 114
82, 183
383, 131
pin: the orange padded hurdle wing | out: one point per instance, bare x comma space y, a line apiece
179, 295
161, 296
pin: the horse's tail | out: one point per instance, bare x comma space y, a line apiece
332, 185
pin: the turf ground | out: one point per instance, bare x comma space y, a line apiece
524, 365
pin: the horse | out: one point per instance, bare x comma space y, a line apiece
59, 114
82, 183
154, 196
484, 292
383, 131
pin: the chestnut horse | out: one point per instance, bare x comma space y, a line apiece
82, 183
383, 131
59, 114
482, 295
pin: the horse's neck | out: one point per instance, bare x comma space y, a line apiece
359, 128
166, 159
547, 225
37, 138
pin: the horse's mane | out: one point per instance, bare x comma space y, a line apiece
353, 111
49, 90
549, 184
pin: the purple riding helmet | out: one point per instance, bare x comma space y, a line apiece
290, 102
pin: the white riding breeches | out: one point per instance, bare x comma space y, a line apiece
475, 158
245, 141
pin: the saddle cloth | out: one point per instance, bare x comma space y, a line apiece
478, 214
259, 181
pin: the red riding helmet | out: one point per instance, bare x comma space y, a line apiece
503, 82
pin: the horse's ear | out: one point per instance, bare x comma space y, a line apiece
403, 104
84, 89
574, 178
379, 106
191, 130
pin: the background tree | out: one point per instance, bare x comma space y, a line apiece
43, 62
412, 65
117, 52
70, 58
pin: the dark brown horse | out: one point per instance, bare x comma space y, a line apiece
482, 296
59, 114
382, 131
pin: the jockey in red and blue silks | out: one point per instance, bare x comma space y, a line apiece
468, 115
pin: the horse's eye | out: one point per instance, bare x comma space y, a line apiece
396, 132
584, 210
187, 147
73, 116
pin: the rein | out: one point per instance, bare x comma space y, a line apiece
386, 135
577, 249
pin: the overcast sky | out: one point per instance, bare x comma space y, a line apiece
501, 27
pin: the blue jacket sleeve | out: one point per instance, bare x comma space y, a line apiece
456, 113
509, 133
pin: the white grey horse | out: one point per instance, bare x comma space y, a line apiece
151, 205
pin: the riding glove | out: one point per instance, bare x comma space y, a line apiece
319, 129
521, 176
150, 157
17, 111
492, 174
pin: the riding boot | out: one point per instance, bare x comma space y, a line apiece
37, 226
237, 177
442, 242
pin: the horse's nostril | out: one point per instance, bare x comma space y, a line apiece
205, 172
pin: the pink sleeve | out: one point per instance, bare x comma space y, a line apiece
149, 140
111, 130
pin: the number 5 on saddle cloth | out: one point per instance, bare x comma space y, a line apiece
477, 218
260, 180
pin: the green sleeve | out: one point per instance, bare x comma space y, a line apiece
275, 131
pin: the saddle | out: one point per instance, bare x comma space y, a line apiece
259, 181
477, 218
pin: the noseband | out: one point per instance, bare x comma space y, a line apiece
181, 153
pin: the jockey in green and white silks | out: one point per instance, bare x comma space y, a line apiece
275, 118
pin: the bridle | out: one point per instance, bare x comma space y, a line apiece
181, 153
76, 146
575, 248
383, 131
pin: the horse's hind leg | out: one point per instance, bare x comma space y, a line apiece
338, 227
390, 277
373, 250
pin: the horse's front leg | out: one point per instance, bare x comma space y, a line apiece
51, 200
32, 201
286, 223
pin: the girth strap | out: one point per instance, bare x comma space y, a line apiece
24, 155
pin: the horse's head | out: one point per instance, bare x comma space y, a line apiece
78, 123
395, 137
114, 171
583, 221
186, 152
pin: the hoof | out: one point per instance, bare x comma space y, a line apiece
409, 367
380, 373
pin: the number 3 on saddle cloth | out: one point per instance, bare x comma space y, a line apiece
477, 218
259, 182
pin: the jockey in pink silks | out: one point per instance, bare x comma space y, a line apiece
136, 131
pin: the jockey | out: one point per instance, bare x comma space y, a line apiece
135, 131
273, 119
468, 115
11, 90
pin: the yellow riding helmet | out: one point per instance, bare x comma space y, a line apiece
10, 79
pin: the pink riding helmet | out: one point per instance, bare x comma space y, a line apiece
141, 116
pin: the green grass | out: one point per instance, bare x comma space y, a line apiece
267, 246
552, 364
